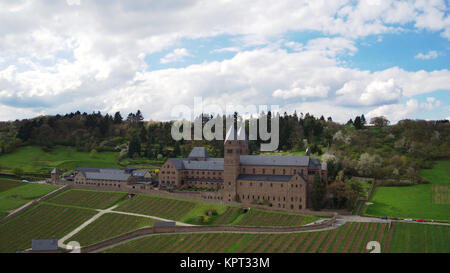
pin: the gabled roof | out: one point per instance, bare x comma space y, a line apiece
210, 164
274, 160
105, 174
314, 163
44, 244
54, 171
198, 152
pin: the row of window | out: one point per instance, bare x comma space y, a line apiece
97, 184
263, 198
273, 171
271, 184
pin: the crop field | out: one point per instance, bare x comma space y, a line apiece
87, 198
6, 184
109, 225
349, 238
263, 218
33, 159
427, 201
15, 197
172, 209
441, 195
40, 222
414, 238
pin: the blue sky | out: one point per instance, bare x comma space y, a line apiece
333, 58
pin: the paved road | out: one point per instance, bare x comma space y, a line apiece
148, 216
356, 218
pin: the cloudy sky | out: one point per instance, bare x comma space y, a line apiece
336, 58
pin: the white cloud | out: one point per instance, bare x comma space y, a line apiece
433, 54
176, 56
73, 2
91, 55
396, 112
307, 91
226, 49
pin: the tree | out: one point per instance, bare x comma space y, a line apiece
93, 153
177, 149
363, 120
358, 123
134, 148
117, 118
317, 192
379, 121
143, 135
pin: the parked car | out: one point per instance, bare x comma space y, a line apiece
395, 218
25, 181
408, 219
420, 220
384, 217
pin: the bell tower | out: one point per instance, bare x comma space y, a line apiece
235, 144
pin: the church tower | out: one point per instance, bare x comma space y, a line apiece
235, 145
54, 176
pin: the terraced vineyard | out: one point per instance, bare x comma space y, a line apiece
41, 222
109, 225
157, 206
87, 198
262, 218
350, 238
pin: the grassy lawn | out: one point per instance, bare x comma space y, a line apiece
15, 197
87, 198
414, 201
33, 159
109, 225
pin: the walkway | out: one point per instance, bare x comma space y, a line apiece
75, 231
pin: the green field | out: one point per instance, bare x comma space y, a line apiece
33, 159
6, 184
109, 225
41, 222
87, 198
414, 238
18, 196
415, 201
349, 238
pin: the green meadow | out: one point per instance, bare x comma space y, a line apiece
413, 201
33, 159
20, 195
